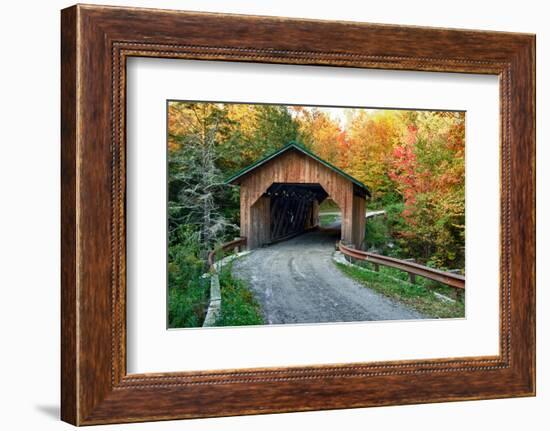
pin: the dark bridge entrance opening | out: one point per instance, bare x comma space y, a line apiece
294, 208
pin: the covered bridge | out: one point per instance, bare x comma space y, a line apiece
281, 193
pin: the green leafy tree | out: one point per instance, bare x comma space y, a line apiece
196, 184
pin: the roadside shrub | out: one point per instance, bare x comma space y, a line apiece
239, 307
188, 293
377, 234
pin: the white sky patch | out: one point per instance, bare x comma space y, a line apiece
340, 115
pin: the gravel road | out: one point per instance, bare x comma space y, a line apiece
296, 281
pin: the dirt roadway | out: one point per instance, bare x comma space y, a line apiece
296, 281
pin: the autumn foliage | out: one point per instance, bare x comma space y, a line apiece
412, 161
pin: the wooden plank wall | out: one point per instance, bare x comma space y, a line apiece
295, 167
358, 222
259, 231
313, 217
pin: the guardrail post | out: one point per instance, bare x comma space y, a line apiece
458, 294
376, 267
215, 304
349, 245
455, 294
412, 278
215, 301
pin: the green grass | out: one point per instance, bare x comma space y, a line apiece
187, 305
328, 205
188, 293
419, 296
327, 219
239, 307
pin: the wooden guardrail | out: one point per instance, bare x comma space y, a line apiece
236, 244
448, 278
215, 301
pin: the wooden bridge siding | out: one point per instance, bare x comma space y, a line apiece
313, 217
260, 216
294, 167
358, 225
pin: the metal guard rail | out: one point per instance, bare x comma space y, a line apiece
454, 280
224, 247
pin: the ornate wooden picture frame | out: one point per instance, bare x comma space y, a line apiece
96, 41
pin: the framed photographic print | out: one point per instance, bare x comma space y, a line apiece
264, 214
